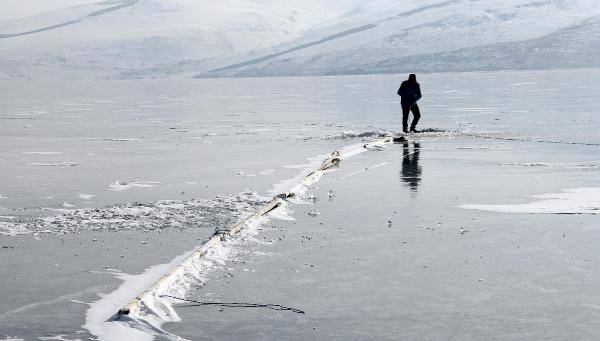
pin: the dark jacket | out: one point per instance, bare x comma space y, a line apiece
410, 93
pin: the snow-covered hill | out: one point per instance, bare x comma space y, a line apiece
151, 38
185, 38
390, 36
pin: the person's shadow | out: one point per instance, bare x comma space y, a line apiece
411, 170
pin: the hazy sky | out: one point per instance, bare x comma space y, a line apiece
12, 9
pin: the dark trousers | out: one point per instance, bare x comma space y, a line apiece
416, 116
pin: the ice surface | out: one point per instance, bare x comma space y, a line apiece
379, 262
571, 201
486, 143
154, 306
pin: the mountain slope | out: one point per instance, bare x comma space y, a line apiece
147, 38
572, 47
421, 35
127, 39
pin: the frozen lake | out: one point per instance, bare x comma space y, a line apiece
482, 229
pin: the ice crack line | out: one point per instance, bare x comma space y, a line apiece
531, 140
364, 170
138, 307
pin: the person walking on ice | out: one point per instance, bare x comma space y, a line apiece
410, 92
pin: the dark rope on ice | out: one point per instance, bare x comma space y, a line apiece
236, 304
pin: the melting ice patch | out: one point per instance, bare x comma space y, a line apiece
584, 200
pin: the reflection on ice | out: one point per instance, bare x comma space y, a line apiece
411, 171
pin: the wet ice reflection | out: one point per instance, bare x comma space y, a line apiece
411, 171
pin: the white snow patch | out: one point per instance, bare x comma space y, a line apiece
283, 212
585, 200
56, 164
356, 149
243, 173
85, 196
43, 153
122, 185
267, 172
58, 338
